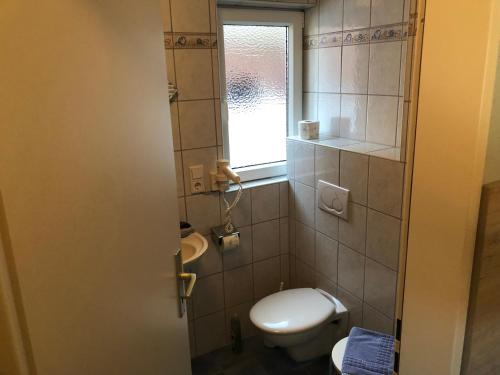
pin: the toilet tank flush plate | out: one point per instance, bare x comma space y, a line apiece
333, 199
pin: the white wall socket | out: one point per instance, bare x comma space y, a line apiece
197, 178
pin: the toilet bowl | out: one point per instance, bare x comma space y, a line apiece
306, 322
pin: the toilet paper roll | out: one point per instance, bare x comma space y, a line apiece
230, 242
309, 129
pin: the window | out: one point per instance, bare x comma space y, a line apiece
260, 54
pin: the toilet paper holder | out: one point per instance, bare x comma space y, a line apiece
225, 241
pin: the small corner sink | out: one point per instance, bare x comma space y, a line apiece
193, 247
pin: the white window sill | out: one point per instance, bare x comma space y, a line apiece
261, 182
262, 171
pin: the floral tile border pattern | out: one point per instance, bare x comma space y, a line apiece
190, 40
385, 33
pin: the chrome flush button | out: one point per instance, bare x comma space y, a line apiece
333, 199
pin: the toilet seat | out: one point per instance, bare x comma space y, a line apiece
292, 311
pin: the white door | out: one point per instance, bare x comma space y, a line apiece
88, 182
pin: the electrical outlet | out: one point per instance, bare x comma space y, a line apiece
197, 178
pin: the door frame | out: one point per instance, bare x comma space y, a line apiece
447, 176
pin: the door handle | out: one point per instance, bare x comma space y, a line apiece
184, 276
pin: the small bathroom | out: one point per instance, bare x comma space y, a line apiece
251, 187
310, 103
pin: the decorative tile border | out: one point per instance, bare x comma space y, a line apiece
356, 37
330, 40
385, 33
311, 42
190, 40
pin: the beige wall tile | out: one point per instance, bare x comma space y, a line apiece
265, 240
190, 16
169, 56
330, 16
329, 68
351, 271
354, 305
243, 313
213, 16
178, 173
304, 163
176, 132
243, 254
208, 295
305, 275
304, 204
329, 115
353, 116
193, 68
385, 12
305, 244
265, 203
290, 159
356, 14
352, 232
165, 12
385, 186
203, 211
197, 124
210, 332
285, 270
326, 256
382, 238
310, 106
218, 122
284, 235
326, 164
241, 215
355, 68
380, 287
385, 60
267, 278
382, 119
354, 175
181, 202
283, 199
322, 282
326, 223
215, 72
376, 321
238, 286
310, 69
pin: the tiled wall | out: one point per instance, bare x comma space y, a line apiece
232, 282
228, 283
354, 68
356, 260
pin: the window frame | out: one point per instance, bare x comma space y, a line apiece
294, 20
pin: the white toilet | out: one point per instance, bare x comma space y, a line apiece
306, 322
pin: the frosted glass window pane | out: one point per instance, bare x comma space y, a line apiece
256, 87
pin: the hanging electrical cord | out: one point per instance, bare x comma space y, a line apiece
228, 223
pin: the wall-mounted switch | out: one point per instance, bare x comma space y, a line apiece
333, 199
197, 180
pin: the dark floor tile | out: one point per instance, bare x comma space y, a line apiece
320, 366
256, 359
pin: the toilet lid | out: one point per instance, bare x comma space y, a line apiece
291, 311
